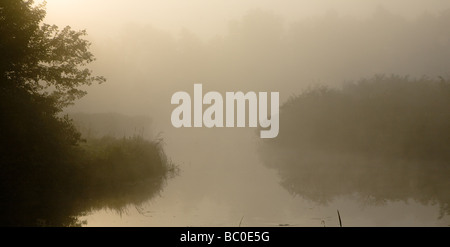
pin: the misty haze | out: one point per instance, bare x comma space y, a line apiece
364, 113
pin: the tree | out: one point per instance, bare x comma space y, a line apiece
47, 176
40, 58
41, 71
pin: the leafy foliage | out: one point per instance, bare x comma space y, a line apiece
48, 176
41, 58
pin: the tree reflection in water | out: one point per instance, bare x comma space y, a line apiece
383, 139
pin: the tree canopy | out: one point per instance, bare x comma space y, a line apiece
41, 58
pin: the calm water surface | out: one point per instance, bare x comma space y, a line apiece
224, 182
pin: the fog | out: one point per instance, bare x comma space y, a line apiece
209, 18
260, 47
148, 50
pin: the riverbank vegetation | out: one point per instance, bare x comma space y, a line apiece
386, 138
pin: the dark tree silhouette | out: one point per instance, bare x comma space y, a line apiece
46, 176
41, 68
40, 58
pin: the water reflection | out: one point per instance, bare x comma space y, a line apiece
324, 177
224, 179
65, 208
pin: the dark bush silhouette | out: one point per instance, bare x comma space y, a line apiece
383, 116
384, 138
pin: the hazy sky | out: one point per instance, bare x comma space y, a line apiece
210, 17
139, 44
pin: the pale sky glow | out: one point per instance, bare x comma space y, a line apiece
208, 18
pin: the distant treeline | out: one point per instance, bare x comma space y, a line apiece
263, 52
95, 125
388, 116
